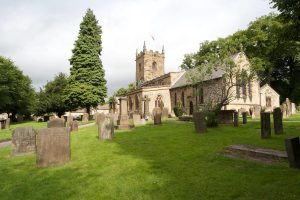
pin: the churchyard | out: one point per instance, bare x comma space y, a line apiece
166, 161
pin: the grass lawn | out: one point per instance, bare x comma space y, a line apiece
6, 133
168, 162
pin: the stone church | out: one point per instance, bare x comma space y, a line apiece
155, 88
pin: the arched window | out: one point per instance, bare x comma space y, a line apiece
238, 93
137, 103
182, 98
154, 66
201, 99
175, 99
130, 104
250, 89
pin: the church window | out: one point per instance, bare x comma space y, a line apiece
175, 99
250, 89
268, 102
154, 66
244, 89
182, 98
136, 103
201, 99
238, 94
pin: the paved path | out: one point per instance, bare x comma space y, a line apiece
8, 143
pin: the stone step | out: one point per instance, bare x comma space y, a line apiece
255, 153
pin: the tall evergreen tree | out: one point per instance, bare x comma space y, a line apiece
87, 85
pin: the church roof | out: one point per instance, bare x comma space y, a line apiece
183, 81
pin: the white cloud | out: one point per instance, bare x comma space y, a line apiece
39, 35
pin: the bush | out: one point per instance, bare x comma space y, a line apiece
211, 119
178, 111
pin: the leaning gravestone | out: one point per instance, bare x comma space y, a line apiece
157, 115
53, 146
73, 125
56, 123
244, 114
293, 151
85, 117
199, 121
23, 141
265, 125
106, 129
236, 119
225, 117
277, 119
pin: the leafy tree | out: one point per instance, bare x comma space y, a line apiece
16, 92
42, 103
86, 85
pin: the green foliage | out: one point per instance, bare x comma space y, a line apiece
87, 85
16, 92
42, 103
121, 92
178, 111
290, 9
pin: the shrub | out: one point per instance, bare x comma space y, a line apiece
178, 111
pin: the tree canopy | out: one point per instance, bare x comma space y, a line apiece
86, 84
16, 92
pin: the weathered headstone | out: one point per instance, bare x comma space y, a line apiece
136, 119
199, 121
284, 110
288, 107
70, 118
100, 117
277, 120
56, 123
157, 113
7, 123
244, 114
226, 117
236, 119
106, 129
146, 107
53, 146
73, 125
123, 122
293, 108
3, 124
85, 117
265, 125
23, 141
256, 111
293, 151
165, 113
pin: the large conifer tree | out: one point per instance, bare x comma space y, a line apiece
87, 85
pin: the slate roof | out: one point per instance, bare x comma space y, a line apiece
182, 81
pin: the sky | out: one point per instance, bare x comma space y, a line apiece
39, 35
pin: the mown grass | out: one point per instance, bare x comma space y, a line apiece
6, 133
169, 161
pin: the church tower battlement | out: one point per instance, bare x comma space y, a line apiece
149, 65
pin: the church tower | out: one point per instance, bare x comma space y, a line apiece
149, 65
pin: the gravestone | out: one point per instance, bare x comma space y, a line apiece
70, 118
157, 113
199, 121
244, 114
265, 125
2, 124
106, 129
85, 117
165, 113
293, 151
46, 118
100, 118
277, 120
23, 141
256, 111
235, 119
73, 125
284, 110
293, 108
288, 107
226, 117
7, 123
56, 123
53, 146
123, 119
136, 119
146, 107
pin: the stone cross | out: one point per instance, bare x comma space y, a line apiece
199, 121
277, 119
265, 125
123, 120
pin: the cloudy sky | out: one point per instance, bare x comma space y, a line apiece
39, 35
